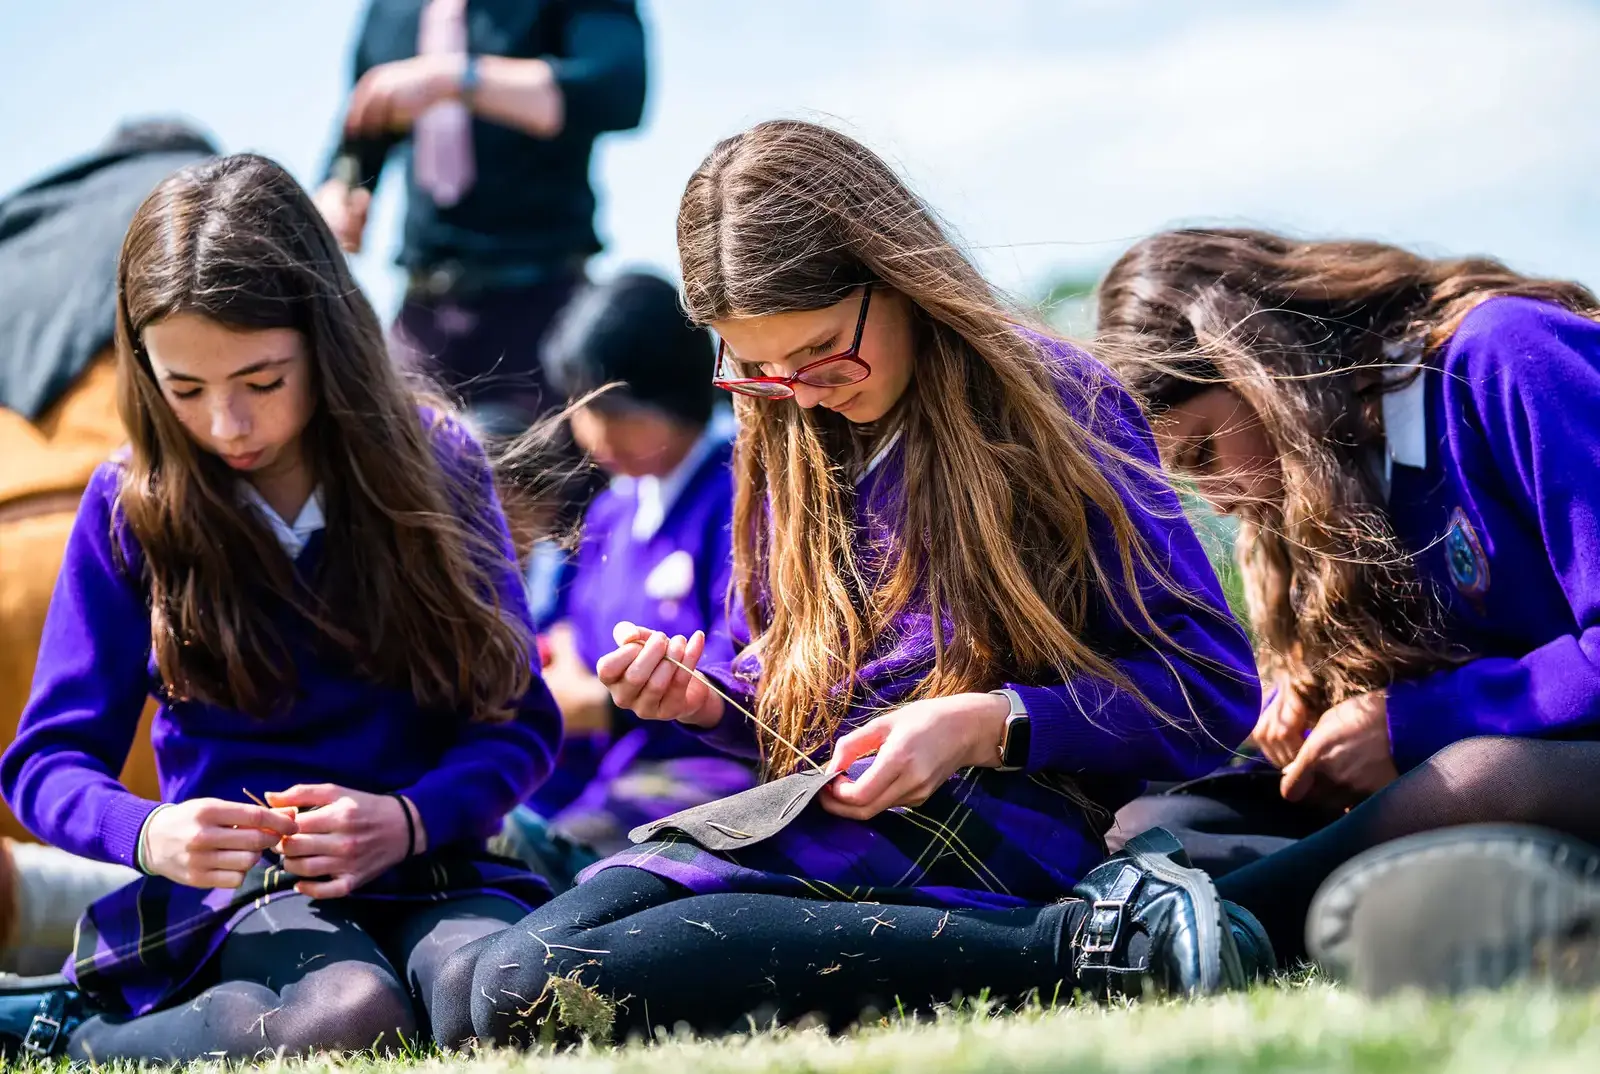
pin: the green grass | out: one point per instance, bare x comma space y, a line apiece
1305, 1027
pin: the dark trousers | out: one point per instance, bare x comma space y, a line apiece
483, 346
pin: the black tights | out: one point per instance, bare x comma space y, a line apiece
1475, 781
716, 961
302, 976
1225, 821
712, 960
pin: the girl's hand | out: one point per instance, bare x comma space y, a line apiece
919, 747
348, 838
211, 843
583, 699
1348, 748
1281, 730
641, 678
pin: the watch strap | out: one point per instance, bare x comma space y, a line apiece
1015, 740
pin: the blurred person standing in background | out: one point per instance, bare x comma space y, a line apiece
59, 238
500, 102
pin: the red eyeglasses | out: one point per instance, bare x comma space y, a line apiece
834, 371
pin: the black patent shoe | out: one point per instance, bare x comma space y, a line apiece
1156, 922
37, 1015
1473, 907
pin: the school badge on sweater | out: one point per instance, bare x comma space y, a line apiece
671, 580
1463, 554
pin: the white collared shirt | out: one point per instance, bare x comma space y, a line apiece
878, 456
656, 495
1405, 417
292, 537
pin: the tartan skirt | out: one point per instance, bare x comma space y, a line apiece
623, 796
985, 840
140, 946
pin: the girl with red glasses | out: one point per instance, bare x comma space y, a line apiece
977, 624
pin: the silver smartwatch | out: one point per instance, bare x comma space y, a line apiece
1018, 735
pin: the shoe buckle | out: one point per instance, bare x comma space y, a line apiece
1104, 927
43, 1034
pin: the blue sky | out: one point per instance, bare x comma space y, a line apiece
1049, 133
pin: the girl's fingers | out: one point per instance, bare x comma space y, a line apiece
1298, 773
695, 649
1275, 738
306, 796
695, 692
611, 667
306, 846
226, 861
318, 866
216, 878
333, 821
252, 839
884, 771
333, 888
645, 664
653, 699
666, 671
857, 744
897, 791
217, 813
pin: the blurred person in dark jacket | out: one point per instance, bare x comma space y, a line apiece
499, 102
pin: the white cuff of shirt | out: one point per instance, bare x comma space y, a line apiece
144, 833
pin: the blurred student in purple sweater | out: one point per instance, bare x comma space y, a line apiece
655, 548
310, 571
1413, 449
971, 596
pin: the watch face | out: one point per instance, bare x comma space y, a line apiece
1019, 736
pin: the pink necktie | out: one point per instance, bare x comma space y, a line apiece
441, 144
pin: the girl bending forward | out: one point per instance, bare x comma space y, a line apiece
969, 595
312, 574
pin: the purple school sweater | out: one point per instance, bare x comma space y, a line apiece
1086, 728
1504, 520
676, 581
995, 839
96, 669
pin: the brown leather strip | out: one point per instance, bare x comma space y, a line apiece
64, 501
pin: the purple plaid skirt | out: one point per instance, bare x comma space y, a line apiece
630, 788
138, 947
985, 840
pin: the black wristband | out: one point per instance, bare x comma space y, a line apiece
411, 825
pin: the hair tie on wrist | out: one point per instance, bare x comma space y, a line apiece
411, 827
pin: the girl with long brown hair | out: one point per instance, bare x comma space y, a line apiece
977, 623
308, 567
1411, 446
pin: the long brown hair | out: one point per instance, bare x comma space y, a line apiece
1310, 334
405, 592
999, 479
